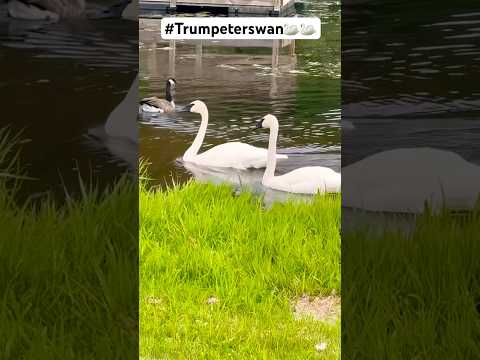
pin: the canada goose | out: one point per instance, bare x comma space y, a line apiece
235, 155
155, 105
307, 29
306, 180
54, 10
404, 180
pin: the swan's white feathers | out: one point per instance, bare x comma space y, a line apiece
403, 180
121, 121
229, 155
307, 180
233, 155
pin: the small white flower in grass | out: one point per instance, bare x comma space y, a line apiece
212, 300
321, 346
153, 300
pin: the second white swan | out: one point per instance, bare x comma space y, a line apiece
235, 155
306, 180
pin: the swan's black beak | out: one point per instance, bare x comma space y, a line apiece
258, 124
186, 108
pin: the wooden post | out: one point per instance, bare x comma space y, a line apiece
150, 58
277, 4
291, 48
171, 58
173, 5
275, 55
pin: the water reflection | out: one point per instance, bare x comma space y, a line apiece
242, 180
405, 90
62, 80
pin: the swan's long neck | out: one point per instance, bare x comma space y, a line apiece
197, 143
272, 153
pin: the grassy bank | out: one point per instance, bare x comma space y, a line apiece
413, 296
218, 275
68, 279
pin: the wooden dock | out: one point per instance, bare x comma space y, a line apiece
154, 8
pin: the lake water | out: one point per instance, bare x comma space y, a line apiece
411, 81
58, 82
408, 81
240, 83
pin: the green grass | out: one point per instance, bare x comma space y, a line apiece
413, 296
68, 273
199, 241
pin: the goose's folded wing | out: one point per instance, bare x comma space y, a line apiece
154, 101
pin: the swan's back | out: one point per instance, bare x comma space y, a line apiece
402, 180
122, 120
233, 155
307, 180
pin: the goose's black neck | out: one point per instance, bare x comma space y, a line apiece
169, 93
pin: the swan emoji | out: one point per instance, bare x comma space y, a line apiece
290, 29
307, 29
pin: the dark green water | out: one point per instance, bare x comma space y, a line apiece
59, 81
411, 81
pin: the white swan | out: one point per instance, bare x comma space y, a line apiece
235, 155
404, 180
122, 120
307, 29
306, 180
154, 104
120, 133
54, 10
